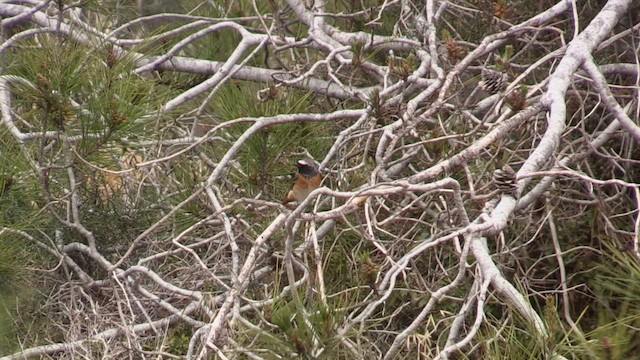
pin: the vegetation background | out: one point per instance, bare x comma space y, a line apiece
145, 147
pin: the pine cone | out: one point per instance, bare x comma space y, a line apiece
517, 99
493, 81
455, 51
505, 180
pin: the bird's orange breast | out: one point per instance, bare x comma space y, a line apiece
303, 187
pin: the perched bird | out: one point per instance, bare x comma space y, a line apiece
307, 180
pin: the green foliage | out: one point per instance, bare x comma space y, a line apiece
84, 91
617, 309
18, 293
344, 269
512, 342
56, 71
13, 253
19, 189
609, 323
90, 91
296, 338
20, 201
367, 21
179, 340
81, 90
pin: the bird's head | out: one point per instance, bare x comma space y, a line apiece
307, 167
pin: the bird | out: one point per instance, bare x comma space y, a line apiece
307, 180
